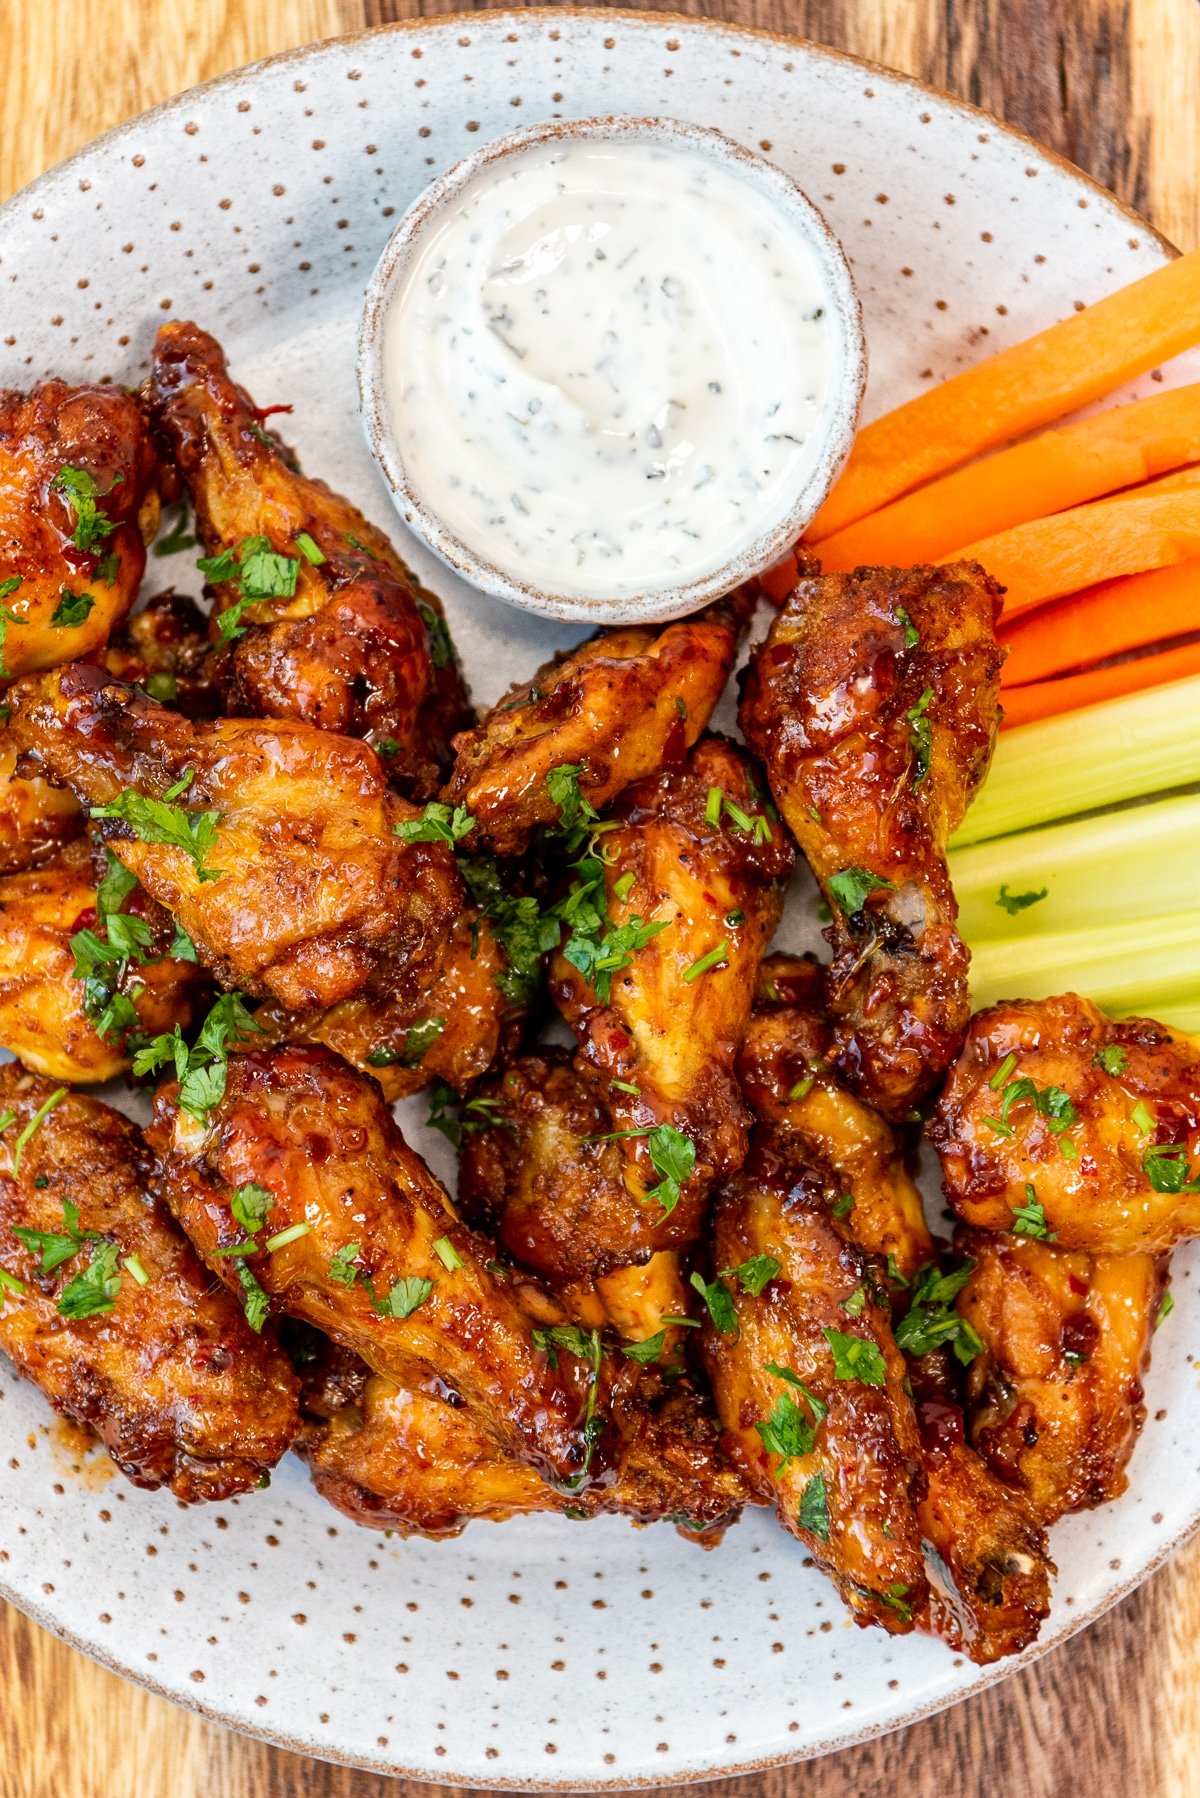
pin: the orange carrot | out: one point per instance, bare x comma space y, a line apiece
1071, 550
1106, 620
778, 582
1018, 390
1046, 698
1059, 469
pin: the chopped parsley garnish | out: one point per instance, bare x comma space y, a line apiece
716, 958
10, 1283
31, 1127
850, 887
576, 815
72, 609
441, 644
256, 1303
261, 573
177, 537
406, 1295
182, 947
94, 1289
650, 1349
596, 946
672, 1156
754, 1274
1029, 1219
853, 1305
788, 1433
1018, 902
813, 1514
418, 1040
1049, 1102
56, 1246
912, 635
475, 1114
341, 1269
1165, 1165
931, 1320
438, 823
201, 1070
1112, 1058
523, 930
920, 736
755, 825
1165, 1309
447, 1254
894, 1598
78, 486
717, 1298
250, 1206
586, 1346
855, 1358
160, 821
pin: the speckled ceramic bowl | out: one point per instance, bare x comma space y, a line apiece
816, 474
542, 1653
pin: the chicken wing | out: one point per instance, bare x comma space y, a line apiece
419, 1463
1058, 1122
810, 1385
105, 1306
78, 503
667, 923
74, 989
36, 818
1056, 1401
165, 649
787, 1074
283, 867
452, 1030
619, 708
323, 622
873, 703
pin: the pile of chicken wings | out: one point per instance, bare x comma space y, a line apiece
260, 857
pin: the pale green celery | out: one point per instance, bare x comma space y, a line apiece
1131, 864
1148, 968
1147, 742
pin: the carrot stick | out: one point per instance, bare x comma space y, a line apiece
1052, 556
1050, 473
1106, 620
1046, 698
1018, 390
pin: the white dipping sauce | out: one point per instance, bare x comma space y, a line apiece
608, 363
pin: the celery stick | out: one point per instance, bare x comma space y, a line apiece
1150, 968
1147, 742
1138, 862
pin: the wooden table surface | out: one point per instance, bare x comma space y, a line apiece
1114, 85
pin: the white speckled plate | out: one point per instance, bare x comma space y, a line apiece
541, 1652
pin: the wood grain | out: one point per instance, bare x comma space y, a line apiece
1113, 84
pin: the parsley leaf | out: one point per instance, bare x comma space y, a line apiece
341, 1269
71, 610
200, 1070
1015, 902
257, 1304
856, 1358
1165, 1165
159, 821
920, 736
1029, 1219
788, 1433
721, 1308
1112, 1058
912, 635
813, 1514
419, 1039
523, 930
754, 1274
250, 1206
931, 1319
595, 945
177, 537
94, 1289
441, 643
261, 573
475, 1114
54, 1246
438, 823
576, 815
78, 485
407, 1295
850, 887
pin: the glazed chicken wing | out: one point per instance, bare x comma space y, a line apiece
418, 1462
74, 989
107, 1309
36, 819
694, 858
272, 844
78, 503
165, 649
323, 621
873, 703
1057, 1120
1055, 1400
617, 709
810, 1385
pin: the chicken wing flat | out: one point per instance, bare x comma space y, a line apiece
323, 622
810, 1385
788, 1076
873, 703
108, 1310
164, 647
78, 503
381, 1264
1056, 1401
1058, 1122
282, 863
73, 987
36, 819
452, 1030
667, 923
617, 709
419, 1463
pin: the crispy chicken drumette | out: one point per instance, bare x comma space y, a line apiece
873, 703
323, 621
623, 706
78, 503
273, 844
1057, 1120
107, 1308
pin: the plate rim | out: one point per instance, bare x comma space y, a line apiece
487, 20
